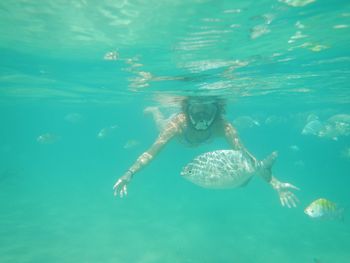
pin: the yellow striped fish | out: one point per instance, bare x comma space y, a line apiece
324, 209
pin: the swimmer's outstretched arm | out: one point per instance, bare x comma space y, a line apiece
232, 138
173, 128
287, 198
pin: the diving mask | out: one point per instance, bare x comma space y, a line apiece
202, 115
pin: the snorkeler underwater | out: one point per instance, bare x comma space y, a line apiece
201, 119
175, 131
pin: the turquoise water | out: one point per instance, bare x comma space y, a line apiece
75, 79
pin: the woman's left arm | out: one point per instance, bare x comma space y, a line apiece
287, 198
233, 139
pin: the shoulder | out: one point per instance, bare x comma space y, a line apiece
179, 120
181, 117
223, 127
176, 124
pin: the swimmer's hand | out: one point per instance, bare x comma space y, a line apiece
287, 198
120, 186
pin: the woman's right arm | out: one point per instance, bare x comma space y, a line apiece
173, 128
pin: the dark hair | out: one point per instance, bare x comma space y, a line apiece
220, 103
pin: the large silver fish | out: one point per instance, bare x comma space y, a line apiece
226, 169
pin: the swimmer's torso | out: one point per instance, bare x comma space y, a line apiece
190, 136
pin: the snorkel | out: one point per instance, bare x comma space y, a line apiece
201, 113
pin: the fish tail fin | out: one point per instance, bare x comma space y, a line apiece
267, 164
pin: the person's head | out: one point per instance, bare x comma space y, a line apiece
202, 111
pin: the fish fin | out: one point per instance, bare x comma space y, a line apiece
246, 182
268, 162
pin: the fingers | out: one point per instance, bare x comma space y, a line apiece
123, 192
119, 188
289, 199
117, 184
290, 186
115, 187
293, 199
292, 203
282, 200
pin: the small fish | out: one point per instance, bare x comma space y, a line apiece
324, 209
258, 31
313, 128
131, 144
112, 55
73, 117
297, 3
273, 120
245, 122
105, 132
47, 138
336, 126
294, 148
